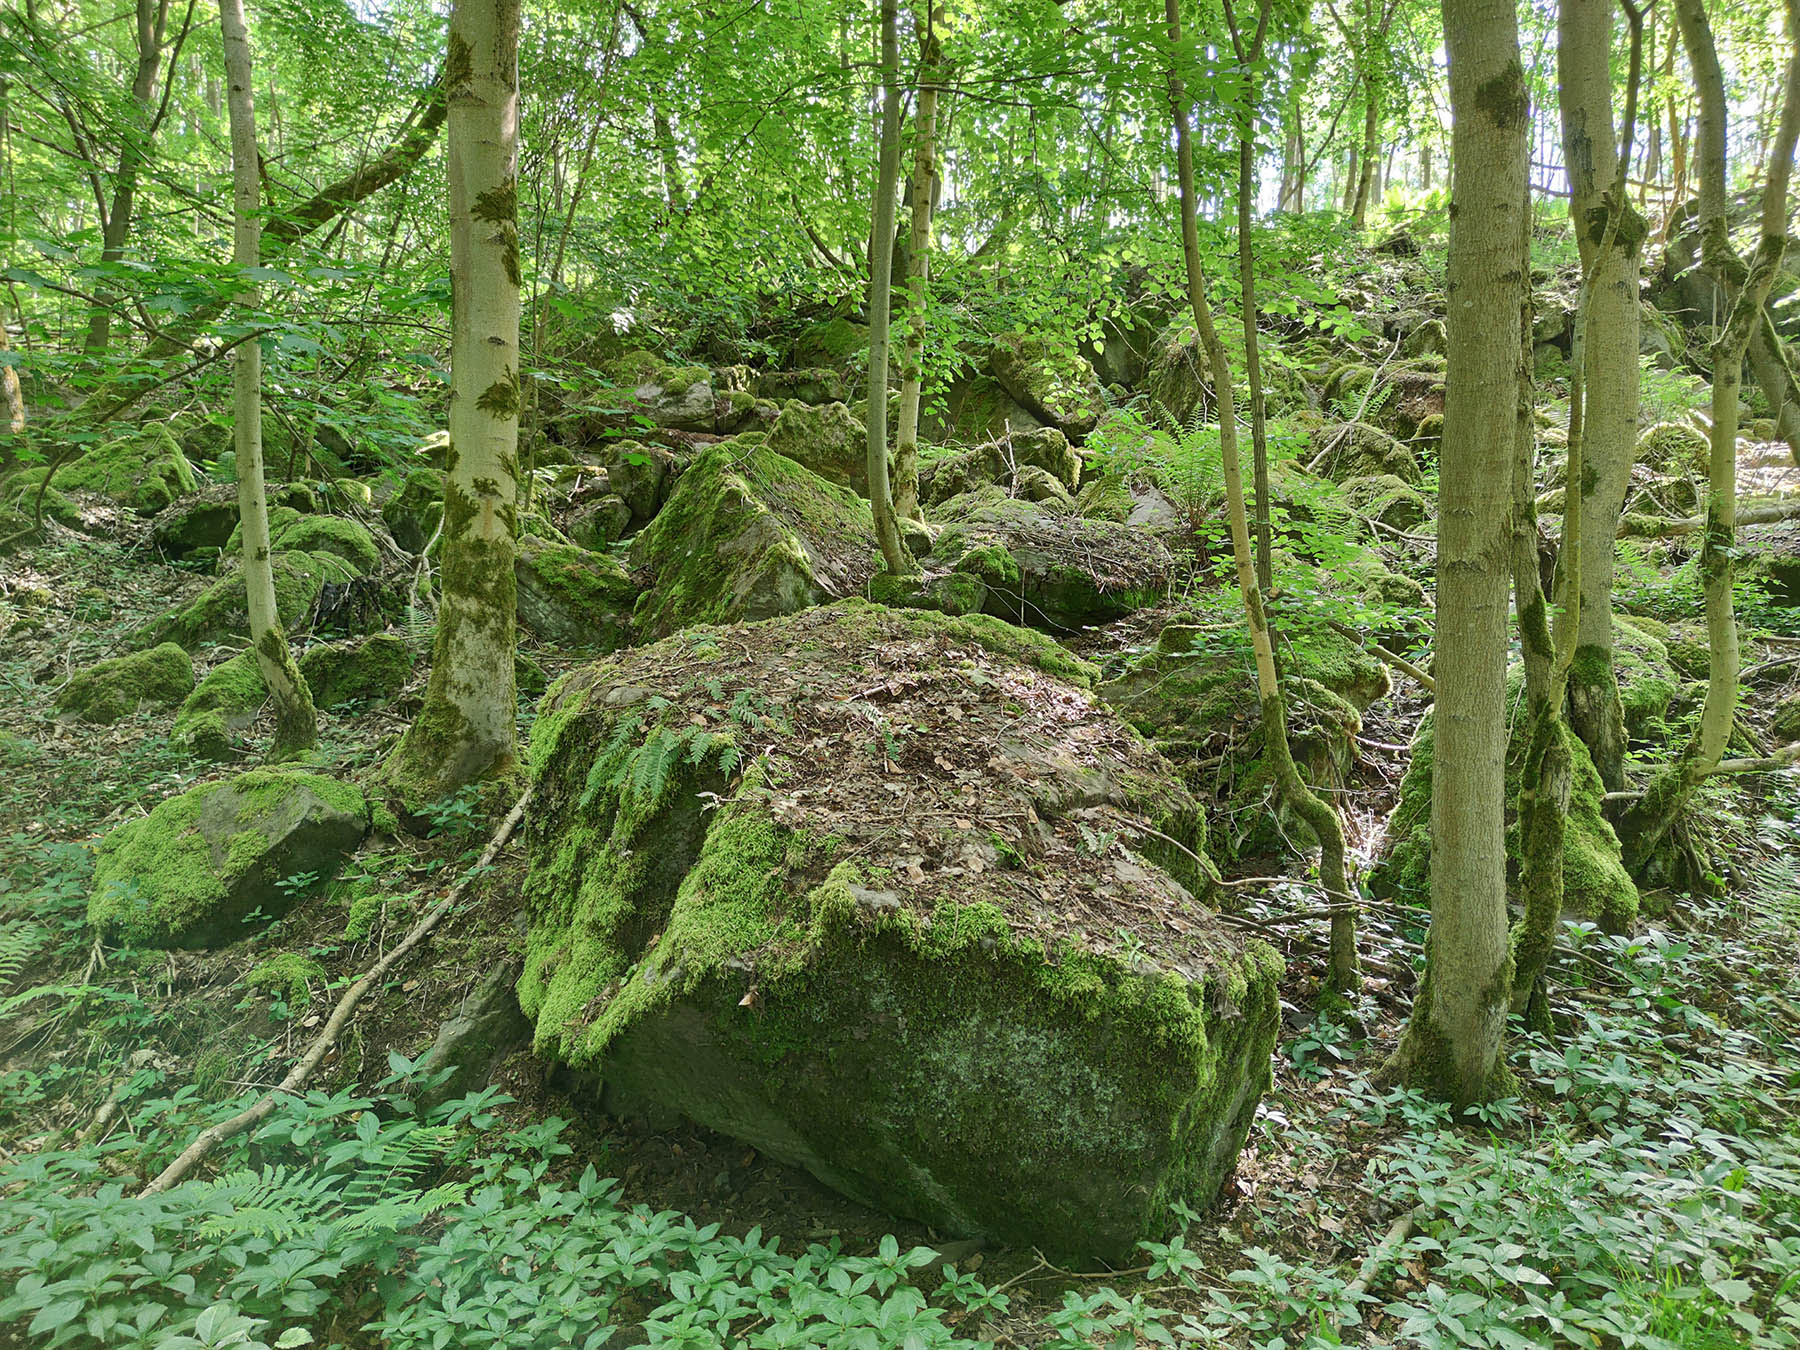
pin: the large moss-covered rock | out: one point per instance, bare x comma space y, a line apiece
220, 611
1045, 570
1596, 885
809, 386
836, 344
1194, 693
412, 514
195, 870
826, 439
1055, 384
292, 531
196, 526
222, 707
748, 534
1387, 498
109, 690
928, 944
573, 597
144, 471
372, 669
1000, 461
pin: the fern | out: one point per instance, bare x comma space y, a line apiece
19, 942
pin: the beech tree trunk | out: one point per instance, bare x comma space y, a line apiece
1343, 974
881, 286
918, 268
1610, 364
465, 731
1453, 1039
296, 723
1642, 828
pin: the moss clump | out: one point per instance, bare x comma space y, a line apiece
837, 344
1385, 497
1646, 676
412, 514
144, 471
221, 708
109, 690
199, 866
220, 611
749, 536
992, 563
291, 531
290, 975
372, 669
1675, 448
573, 597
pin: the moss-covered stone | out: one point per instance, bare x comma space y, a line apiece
1385, 497
825, 439
1676, 449
292, 531
195, 870
797, 978
144, 471
838, 344
197, 526
1596, 885
1000, 461
573, 597
372, 669
1365, 451
412, 514
1054, 383
747, 534
287, 975
1646, 674
808, 386
220, 611
109, 690
221, 708
1072, 571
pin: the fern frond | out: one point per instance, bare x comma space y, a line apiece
20, 940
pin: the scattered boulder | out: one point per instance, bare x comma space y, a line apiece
600, 521
825, 439
1675, 449
220, 611
1360, 450
979, 410
573, 597
143, 471
221, 709
113, 689
197, 526
1428, 339
1057, 385
473, 1041
1001, 461
1785, 723
806, 386
641, 475
794, 960
372, 669
838, 344
292, 531
1385, 497
749, 534
1063, 573
678, 398
413, 513
195, 870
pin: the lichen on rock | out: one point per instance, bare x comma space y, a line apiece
807, 880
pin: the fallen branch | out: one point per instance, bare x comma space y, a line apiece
1783, 758
1760, 513
297, 1077
1381, 653
1392, 1240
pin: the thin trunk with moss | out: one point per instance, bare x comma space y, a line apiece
881, 288
296, 722
466, 729
1452, 1046
1343, 974
1249, 55
1643, 828
918, 266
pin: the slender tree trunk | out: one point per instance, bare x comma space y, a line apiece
296, 724
674, 184
1371, 155
1248, 57
465, 731
918, 268
1644, 826
1610, 366
13, 394
1352, 179
881, 285
152, 24
1343, 974
1453, 1040
1769, 363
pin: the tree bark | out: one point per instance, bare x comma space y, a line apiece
918, 267
1610, 362
1343, 972
1643, 827
13, 393
1453, 1039
1769, 363
465, 731
296, 723
881, 286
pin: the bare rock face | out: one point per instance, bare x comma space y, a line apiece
889, 895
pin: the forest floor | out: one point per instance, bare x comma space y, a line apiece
1665, 1113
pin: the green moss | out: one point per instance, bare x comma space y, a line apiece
572, 596
145, 471
992, 563
290, 974
1105, 497
826, 439
840, 344
200, 863
221, 707
220, 611
359, 670
109, 690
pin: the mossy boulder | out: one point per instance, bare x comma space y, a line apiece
1646, 674
109, 690
222, 707
1675, 449
1001, 461
821, 385
220, 612
1014, 1018
1361, 450
144, 471
678, 398
372, 669
1784, 723
412, 514
196, 526
1179, 380
1385, 497
194, 871
292, 531
837, 344
1066, 572
1596, 885
749, 534
1056, 384
825, 439
977, 410
573, 597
